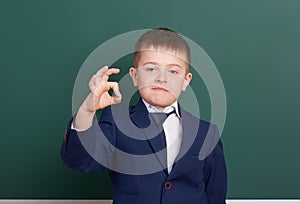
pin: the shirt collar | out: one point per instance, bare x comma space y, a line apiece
168, 109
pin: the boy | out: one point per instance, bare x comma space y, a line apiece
175, 174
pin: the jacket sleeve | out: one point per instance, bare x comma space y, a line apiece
216, 174
90, 150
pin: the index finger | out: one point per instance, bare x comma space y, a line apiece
105, 71
111, 71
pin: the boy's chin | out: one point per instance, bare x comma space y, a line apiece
162, 104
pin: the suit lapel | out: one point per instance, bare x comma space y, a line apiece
190, 126
140, 116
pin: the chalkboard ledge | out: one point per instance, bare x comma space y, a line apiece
229, 201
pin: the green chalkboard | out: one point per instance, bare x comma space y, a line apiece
254, 44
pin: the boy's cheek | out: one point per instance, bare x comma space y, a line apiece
144, 83
178, 86
184, 86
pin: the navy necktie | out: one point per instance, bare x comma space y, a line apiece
159, 118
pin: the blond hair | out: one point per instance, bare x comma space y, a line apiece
162, 39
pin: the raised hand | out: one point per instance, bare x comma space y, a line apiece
99, 85
98, 97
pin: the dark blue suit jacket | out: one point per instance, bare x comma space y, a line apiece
191, 181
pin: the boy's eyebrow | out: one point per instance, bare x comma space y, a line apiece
169, 65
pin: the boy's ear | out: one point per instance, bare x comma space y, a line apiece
187, 80
133, 74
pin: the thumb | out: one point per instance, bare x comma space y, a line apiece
117, 96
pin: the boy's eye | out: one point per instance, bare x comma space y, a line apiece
151, 69
173, 71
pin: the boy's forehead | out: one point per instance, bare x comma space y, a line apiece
172, 54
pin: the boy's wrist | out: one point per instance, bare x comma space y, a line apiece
84, 108
83, 119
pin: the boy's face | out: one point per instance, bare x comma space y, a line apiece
160, 77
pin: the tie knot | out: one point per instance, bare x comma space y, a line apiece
170, 113
160, 117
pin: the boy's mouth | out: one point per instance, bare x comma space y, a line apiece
159, 88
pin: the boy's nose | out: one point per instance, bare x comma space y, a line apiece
162, 76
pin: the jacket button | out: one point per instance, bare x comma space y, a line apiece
168, 185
